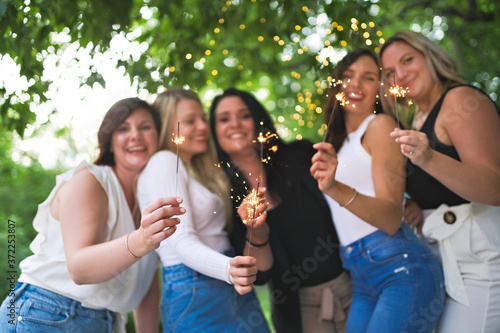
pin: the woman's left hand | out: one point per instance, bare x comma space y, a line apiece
253, 211
414, 145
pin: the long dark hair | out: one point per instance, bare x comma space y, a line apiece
263, 123
336, 132
115, 116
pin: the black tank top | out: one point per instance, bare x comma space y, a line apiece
426, 190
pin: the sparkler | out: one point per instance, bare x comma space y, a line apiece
178, 140
253, 202
261, 139
338, 97
397, 91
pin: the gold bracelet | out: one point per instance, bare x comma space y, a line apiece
128, 249
350, 200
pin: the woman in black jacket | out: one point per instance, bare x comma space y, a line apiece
310, 291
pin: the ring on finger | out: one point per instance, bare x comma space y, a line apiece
412, 150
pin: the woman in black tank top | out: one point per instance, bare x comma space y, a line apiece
453, 174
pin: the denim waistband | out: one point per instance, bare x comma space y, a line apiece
73, 306
376, 238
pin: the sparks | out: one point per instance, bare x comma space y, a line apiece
262, 139
178, 140
253, 202
397, 91
339, 97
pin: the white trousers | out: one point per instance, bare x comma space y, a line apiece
483, 315
470, 250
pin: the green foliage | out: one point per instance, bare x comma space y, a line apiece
22, 189
266, 47
250, 44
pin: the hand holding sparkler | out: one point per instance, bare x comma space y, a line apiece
324, 166
243, 273
252, 212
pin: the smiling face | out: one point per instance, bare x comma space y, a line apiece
408, 68
360, 83
134, 141
193, 127
234, 125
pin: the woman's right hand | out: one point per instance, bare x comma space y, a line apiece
157, 224
243, 272
324, 166
413, 215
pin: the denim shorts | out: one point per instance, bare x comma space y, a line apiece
397, 283
35, 309
193, 302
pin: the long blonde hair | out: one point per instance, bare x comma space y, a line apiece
442, 66
203, 166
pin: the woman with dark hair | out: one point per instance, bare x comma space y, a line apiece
453, 163
85, 274
309, 289
397, 282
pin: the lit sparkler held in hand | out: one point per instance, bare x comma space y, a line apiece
177, 140
397, 91
254, 201
339, 97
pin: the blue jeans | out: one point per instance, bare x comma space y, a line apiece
35, 309
397, 284
193, 302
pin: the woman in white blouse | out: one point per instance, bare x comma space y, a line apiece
86, 271
205, 288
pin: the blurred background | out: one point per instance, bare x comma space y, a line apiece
64, 63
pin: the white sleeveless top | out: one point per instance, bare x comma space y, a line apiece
355, 170
200, 236
47, 268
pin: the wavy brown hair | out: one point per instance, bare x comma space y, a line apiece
115, 116
442, 66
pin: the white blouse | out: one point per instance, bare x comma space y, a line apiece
200, 237
47, 268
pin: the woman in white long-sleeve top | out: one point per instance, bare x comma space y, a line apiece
205, 288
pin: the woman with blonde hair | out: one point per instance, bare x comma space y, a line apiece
205, 288
453, 174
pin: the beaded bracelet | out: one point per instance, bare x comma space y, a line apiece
257, 245
128, 249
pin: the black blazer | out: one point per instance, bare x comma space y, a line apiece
302, 238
